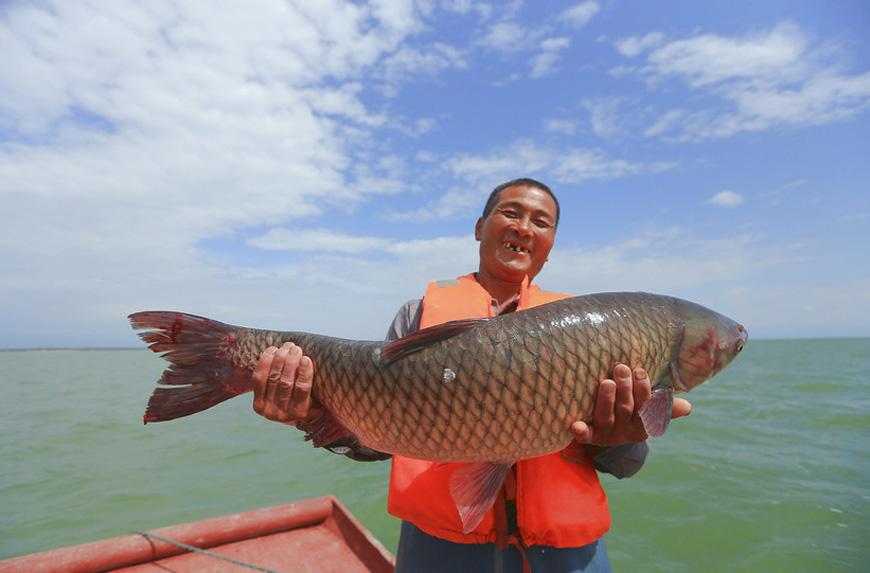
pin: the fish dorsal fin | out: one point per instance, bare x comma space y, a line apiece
475, 488
421, 339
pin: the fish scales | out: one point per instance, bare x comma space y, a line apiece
496, 390
551, 370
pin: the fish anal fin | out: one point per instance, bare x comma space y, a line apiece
475, 488
421, 339
656, 413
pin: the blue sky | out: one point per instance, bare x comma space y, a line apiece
312, 165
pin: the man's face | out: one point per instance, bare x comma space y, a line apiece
516, 237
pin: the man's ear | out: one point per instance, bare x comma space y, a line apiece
478, 229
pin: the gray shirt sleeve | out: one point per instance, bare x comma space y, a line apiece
407, 320
622, 461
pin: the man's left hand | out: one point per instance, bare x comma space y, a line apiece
616, 420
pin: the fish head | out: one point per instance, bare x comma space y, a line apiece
708, 344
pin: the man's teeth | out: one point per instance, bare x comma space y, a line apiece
516, 248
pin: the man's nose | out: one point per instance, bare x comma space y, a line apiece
524, 225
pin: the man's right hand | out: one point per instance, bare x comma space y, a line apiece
282, 385
616, 418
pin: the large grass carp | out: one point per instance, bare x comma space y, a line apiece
489, 391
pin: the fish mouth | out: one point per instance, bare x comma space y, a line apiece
516, 248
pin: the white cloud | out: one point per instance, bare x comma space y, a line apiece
661, 260
424, 125
458, 6
455, 202
197, 105
607, 116
756, 82
822, 98
565, 126
521, 158
514, 160
544, 63
672, 119
526, 158
510, 37
507, 37
136, 135
409, 62
316, 240
633, 46
430, 249
582, 164
774, 55
580, 14
726, 199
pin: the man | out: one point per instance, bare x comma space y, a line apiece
552, 511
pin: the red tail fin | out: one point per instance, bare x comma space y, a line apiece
202, 373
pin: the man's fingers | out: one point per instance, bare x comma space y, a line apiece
283, 379
292, 355
261, 377
274, 379
682, 407
261, 372
270, 391
624, 393
614, 419
582, 432
642, 387
604, 405
283, 396
278, 362
305, 374
292, 398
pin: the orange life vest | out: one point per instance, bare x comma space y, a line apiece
560, 501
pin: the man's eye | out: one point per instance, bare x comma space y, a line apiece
542, 223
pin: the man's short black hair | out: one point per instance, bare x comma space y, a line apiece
525, 182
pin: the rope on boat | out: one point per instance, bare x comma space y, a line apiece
204, 552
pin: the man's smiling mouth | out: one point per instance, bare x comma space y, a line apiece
516, 248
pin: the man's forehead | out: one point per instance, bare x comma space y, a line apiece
526, 197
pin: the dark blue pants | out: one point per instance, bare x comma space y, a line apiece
420, 552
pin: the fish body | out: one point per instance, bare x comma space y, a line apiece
500, 389
489, 391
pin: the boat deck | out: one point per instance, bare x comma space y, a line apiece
317, 535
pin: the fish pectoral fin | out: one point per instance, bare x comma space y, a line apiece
421, 339
656, 414
475, 488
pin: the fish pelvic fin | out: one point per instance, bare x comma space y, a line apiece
475, 488
325, 431
421, 339
656, 413
202, 373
